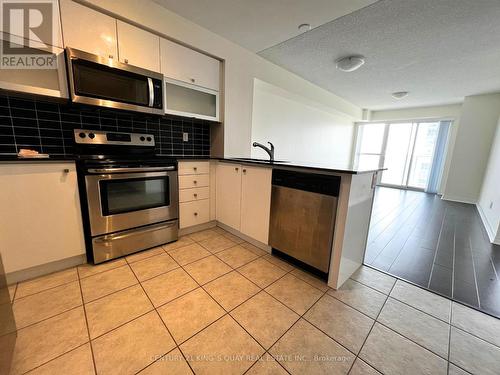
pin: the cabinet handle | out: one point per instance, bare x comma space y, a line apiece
65, 170
195, 195
193, 80
195, 182
195, 169
236, 169
244, 171
126, 61
110, 56
196, 214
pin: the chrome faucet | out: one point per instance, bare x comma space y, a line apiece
269, 150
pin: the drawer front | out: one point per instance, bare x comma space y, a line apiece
193, 181
194, 213
193, 167
195, 194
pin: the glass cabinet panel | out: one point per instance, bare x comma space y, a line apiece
184, 100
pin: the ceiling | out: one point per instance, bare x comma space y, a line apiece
259, 24
439, 51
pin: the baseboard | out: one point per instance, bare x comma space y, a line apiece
45, 269
491, 233
456, 199
197, 228
237, 233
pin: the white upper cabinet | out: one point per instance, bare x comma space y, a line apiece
186, 65
256, 202
228, 194
88, 30
138, 47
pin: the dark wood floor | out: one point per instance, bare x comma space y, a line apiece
437, 244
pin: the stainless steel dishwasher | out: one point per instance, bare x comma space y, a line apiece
303, 208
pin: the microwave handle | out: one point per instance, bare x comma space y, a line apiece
151, 92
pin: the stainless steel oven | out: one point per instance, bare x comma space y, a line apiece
130, 202
106, 82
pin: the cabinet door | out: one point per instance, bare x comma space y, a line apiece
228, 194
256, 202
138, 47
88, 30
41, 219
187, 65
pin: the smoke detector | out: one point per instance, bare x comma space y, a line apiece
350, 63
400, 95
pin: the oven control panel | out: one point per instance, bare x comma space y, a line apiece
98, 137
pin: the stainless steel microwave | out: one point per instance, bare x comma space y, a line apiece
105, 82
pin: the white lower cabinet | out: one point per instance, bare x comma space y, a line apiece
41, 220
244, 199
194, 193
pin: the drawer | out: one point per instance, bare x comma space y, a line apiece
193, 167
194, 213
195, 194
192, 181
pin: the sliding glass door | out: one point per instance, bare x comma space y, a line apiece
405, 149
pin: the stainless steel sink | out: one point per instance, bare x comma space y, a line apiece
260, 160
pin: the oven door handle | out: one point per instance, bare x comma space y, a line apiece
129, 170
114, 237
151, 92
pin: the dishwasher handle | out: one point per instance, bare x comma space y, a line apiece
311, 182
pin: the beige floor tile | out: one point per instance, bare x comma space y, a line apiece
219, 230
182, 241
391, 353
237, 256
310, 279
145, 254
153, 266
43, 305
278, 262
233, 238
422, 299
189, 314
306, 350
118, 308
267, 365
261, 272
44, 341
264, 318
202, 235
52, 280
341, 322
170, 285
361, 297
172, 363
295, 293
76, 362
425, 330
222, 348
188, 254
455, 370
107, 282
217, 243
207, 269
232, 289
375, 279
362, 368
473, 354
86, 270
477, 323
254, 249
132, 347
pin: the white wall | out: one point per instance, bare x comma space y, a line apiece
299, 131
478, 122
490, 191
241, 67
449, 112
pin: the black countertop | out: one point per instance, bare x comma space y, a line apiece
327, 167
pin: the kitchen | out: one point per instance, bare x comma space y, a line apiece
139, 200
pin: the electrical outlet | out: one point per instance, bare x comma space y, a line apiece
491, 204
185, 137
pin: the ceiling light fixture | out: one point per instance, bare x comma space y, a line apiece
400, 95
350, 63
304, 27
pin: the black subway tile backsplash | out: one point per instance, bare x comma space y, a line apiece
48, 127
